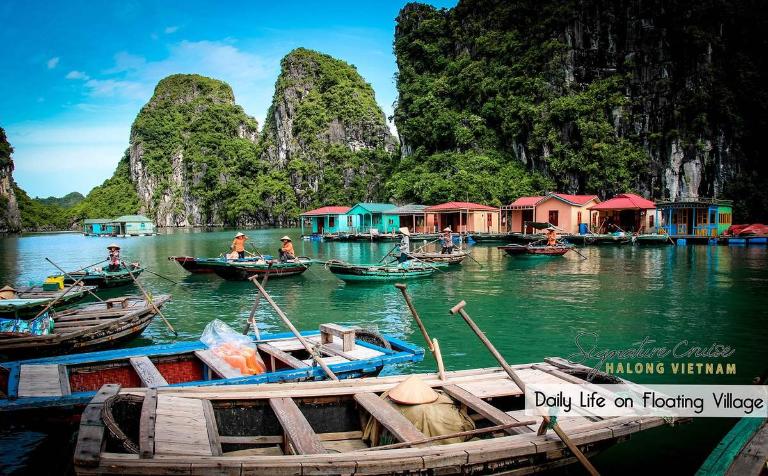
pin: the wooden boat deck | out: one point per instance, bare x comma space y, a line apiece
300, 442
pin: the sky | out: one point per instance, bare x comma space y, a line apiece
75, 73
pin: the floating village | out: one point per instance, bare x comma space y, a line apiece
311, 400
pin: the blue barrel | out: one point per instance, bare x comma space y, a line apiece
583, 229
681, 242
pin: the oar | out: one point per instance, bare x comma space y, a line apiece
149, 300
388, 253
577, 252
50, 304
425, 245
161, 276
90, 265
473, 259
73, 279
431, 343
251, 318
459, 309
295, 332
257, 251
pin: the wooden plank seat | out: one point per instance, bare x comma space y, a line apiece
336, 347
148, 373
117, 302
328, 360
43, 381
488, 411
300, 437
282, 356
181, 427
391, 419
217, 365
346, 334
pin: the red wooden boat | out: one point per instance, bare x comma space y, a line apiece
535, 251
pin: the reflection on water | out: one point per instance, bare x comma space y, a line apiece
529, 308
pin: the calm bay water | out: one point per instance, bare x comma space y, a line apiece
530, 309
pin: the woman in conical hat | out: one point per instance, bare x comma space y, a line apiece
405, 245
412, 391
113, 257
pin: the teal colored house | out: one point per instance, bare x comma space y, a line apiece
99, 226
135, 225
371, 215
410, 216
696, 217
328, 220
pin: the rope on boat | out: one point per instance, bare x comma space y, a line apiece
114, 429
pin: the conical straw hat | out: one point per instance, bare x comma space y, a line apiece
113, 245
413, 391
405, 231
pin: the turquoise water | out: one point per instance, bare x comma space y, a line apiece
530, 309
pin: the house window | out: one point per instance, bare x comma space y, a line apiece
391, 221
331, 222
650, 221
553, 217
349, 220
578, 217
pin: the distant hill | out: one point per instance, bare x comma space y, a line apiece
67, 201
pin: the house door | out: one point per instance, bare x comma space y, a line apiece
526, 218
320, 225
553, 215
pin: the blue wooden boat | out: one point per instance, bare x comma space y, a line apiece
32, 299
68, 382
381, 272
743, 451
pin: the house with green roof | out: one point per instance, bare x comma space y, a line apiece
126, 225
369, 216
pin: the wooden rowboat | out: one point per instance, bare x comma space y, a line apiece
743, 451
318, 428
241, 271
379, 272
104, 278
94, 326
68, 382
203, 265
452, 258
32, 299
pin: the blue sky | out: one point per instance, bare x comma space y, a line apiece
76, 73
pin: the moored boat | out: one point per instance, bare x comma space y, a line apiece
103, 277
449, 258
743, 451
536, 251
65, 382
381, 272
338, 427
97, 325
31, 299
204, 265
243, 270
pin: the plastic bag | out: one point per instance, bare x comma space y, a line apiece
233, 347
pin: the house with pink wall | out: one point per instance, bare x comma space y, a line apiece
564, 211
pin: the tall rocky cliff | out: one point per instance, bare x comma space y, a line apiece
666, 98
189, 146
10, 218
325, 130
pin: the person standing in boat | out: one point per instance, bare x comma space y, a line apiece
551, 236
447, 241
238, 245
286, 251
405, 245
113, 258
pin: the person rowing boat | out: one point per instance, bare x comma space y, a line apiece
286, 250
447, 241
238, 245
551, 236
405, 245
113, 257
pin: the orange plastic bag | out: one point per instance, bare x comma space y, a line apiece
234, 348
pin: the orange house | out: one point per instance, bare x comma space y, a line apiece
464, 217
564, 211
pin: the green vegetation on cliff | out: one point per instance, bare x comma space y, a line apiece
326, 131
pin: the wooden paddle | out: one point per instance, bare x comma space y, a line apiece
73, 279
295, 332
459, 309
149, 300
431, 343
50, 304
252, 317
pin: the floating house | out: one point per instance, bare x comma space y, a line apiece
126, 225
569, 213
695, 217
99, 227
370, 216
411, 216
464, 217
332, 219
624, 212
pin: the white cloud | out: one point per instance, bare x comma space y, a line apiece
77, 75
116, 88
170, 29
53, 62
